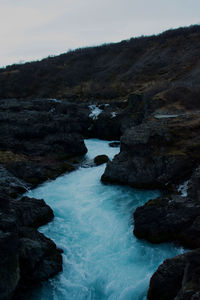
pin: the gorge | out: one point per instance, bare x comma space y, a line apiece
93, 225
143, 92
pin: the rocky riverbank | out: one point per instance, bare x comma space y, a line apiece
40, 140
163, 153
27, 256
43, 138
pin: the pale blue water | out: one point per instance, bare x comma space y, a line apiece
93, 225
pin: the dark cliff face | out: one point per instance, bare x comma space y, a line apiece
157, 153
110, 71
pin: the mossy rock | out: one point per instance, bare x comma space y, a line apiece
101, 159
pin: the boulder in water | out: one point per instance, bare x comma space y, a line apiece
114, 144
101, 159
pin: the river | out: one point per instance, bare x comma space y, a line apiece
93, 224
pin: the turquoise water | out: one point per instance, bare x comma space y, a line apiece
93, 225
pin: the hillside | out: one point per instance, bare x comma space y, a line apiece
155, 63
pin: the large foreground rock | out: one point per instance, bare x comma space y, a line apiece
39, 258
176, 217
177, 278
27, 257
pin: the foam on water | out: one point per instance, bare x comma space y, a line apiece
93, 225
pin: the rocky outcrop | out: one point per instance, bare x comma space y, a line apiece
176, 217
27, 256
39, 258
177, 278
10, 185
38, 137
163, 153
157, 153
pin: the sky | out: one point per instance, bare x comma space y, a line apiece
34, 29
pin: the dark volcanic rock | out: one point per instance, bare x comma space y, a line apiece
38, 137
114, 119
156, 153
9, 264
163, 153
177, 278
27, 256
175, 217
42, 127
10, 185
166, 219
32, 212
101, 159
35, 172
37, 140
39, 257
105, 127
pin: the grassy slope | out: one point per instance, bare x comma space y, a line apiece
111, 71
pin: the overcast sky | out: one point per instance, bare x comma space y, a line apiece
33, 29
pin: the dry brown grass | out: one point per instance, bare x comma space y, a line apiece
8, 157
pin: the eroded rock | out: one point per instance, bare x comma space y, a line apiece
176, 217
177, 278
156, 153
27, 256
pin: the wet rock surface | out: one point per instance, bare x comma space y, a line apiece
101, 159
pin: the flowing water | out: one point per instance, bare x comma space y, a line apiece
93, 225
